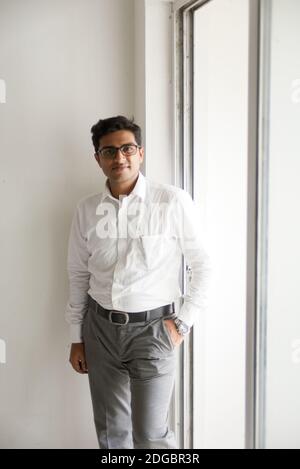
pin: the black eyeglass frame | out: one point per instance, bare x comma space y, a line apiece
99, 152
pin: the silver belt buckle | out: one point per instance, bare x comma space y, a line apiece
119, 312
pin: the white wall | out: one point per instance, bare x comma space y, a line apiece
66, 63
154, 86
158, 91
140, 68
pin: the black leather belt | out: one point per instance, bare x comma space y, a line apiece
121, 317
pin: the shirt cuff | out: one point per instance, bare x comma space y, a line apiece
189, 313
76, 333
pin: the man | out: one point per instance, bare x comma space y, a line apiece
124, 259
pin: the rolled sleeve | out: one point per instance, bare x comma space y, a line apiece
197, 260
79, 276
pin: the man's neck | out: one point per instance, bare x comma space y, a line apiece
124, 188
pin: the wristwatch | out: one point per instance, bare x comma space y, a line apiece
181, 327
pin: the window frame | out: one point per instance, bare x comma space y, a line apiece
183, 176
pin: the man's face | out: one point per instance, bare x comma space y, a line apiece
121, 168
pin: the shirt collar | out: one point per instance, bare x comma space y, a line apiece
139, 189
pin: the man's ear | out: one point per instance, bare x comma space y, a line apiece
97, 159
142, 152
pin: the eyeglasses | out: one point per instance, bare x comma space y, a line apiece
109, 153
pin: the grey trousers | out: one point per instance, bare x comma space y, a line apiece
131, 370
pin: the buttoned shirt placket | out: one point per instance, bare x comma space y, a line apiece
118, 276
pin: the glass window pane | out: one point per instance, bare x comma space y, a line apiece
220, 189
280, 302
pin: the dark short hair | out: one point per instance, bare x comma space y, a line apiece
112, 124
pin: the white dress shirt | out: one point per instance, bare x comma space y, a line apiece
127, 253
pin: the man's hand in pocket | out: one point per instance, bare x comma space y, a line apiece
175, 336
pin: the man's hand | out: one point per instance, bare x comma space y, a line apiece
175, 336
77, 358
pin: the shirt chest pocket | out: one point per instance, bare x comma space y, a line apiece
156, 249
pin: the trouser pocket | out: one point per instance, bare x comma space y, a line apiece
167, 332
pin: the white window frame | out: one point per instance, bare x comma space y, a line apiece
183, 176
